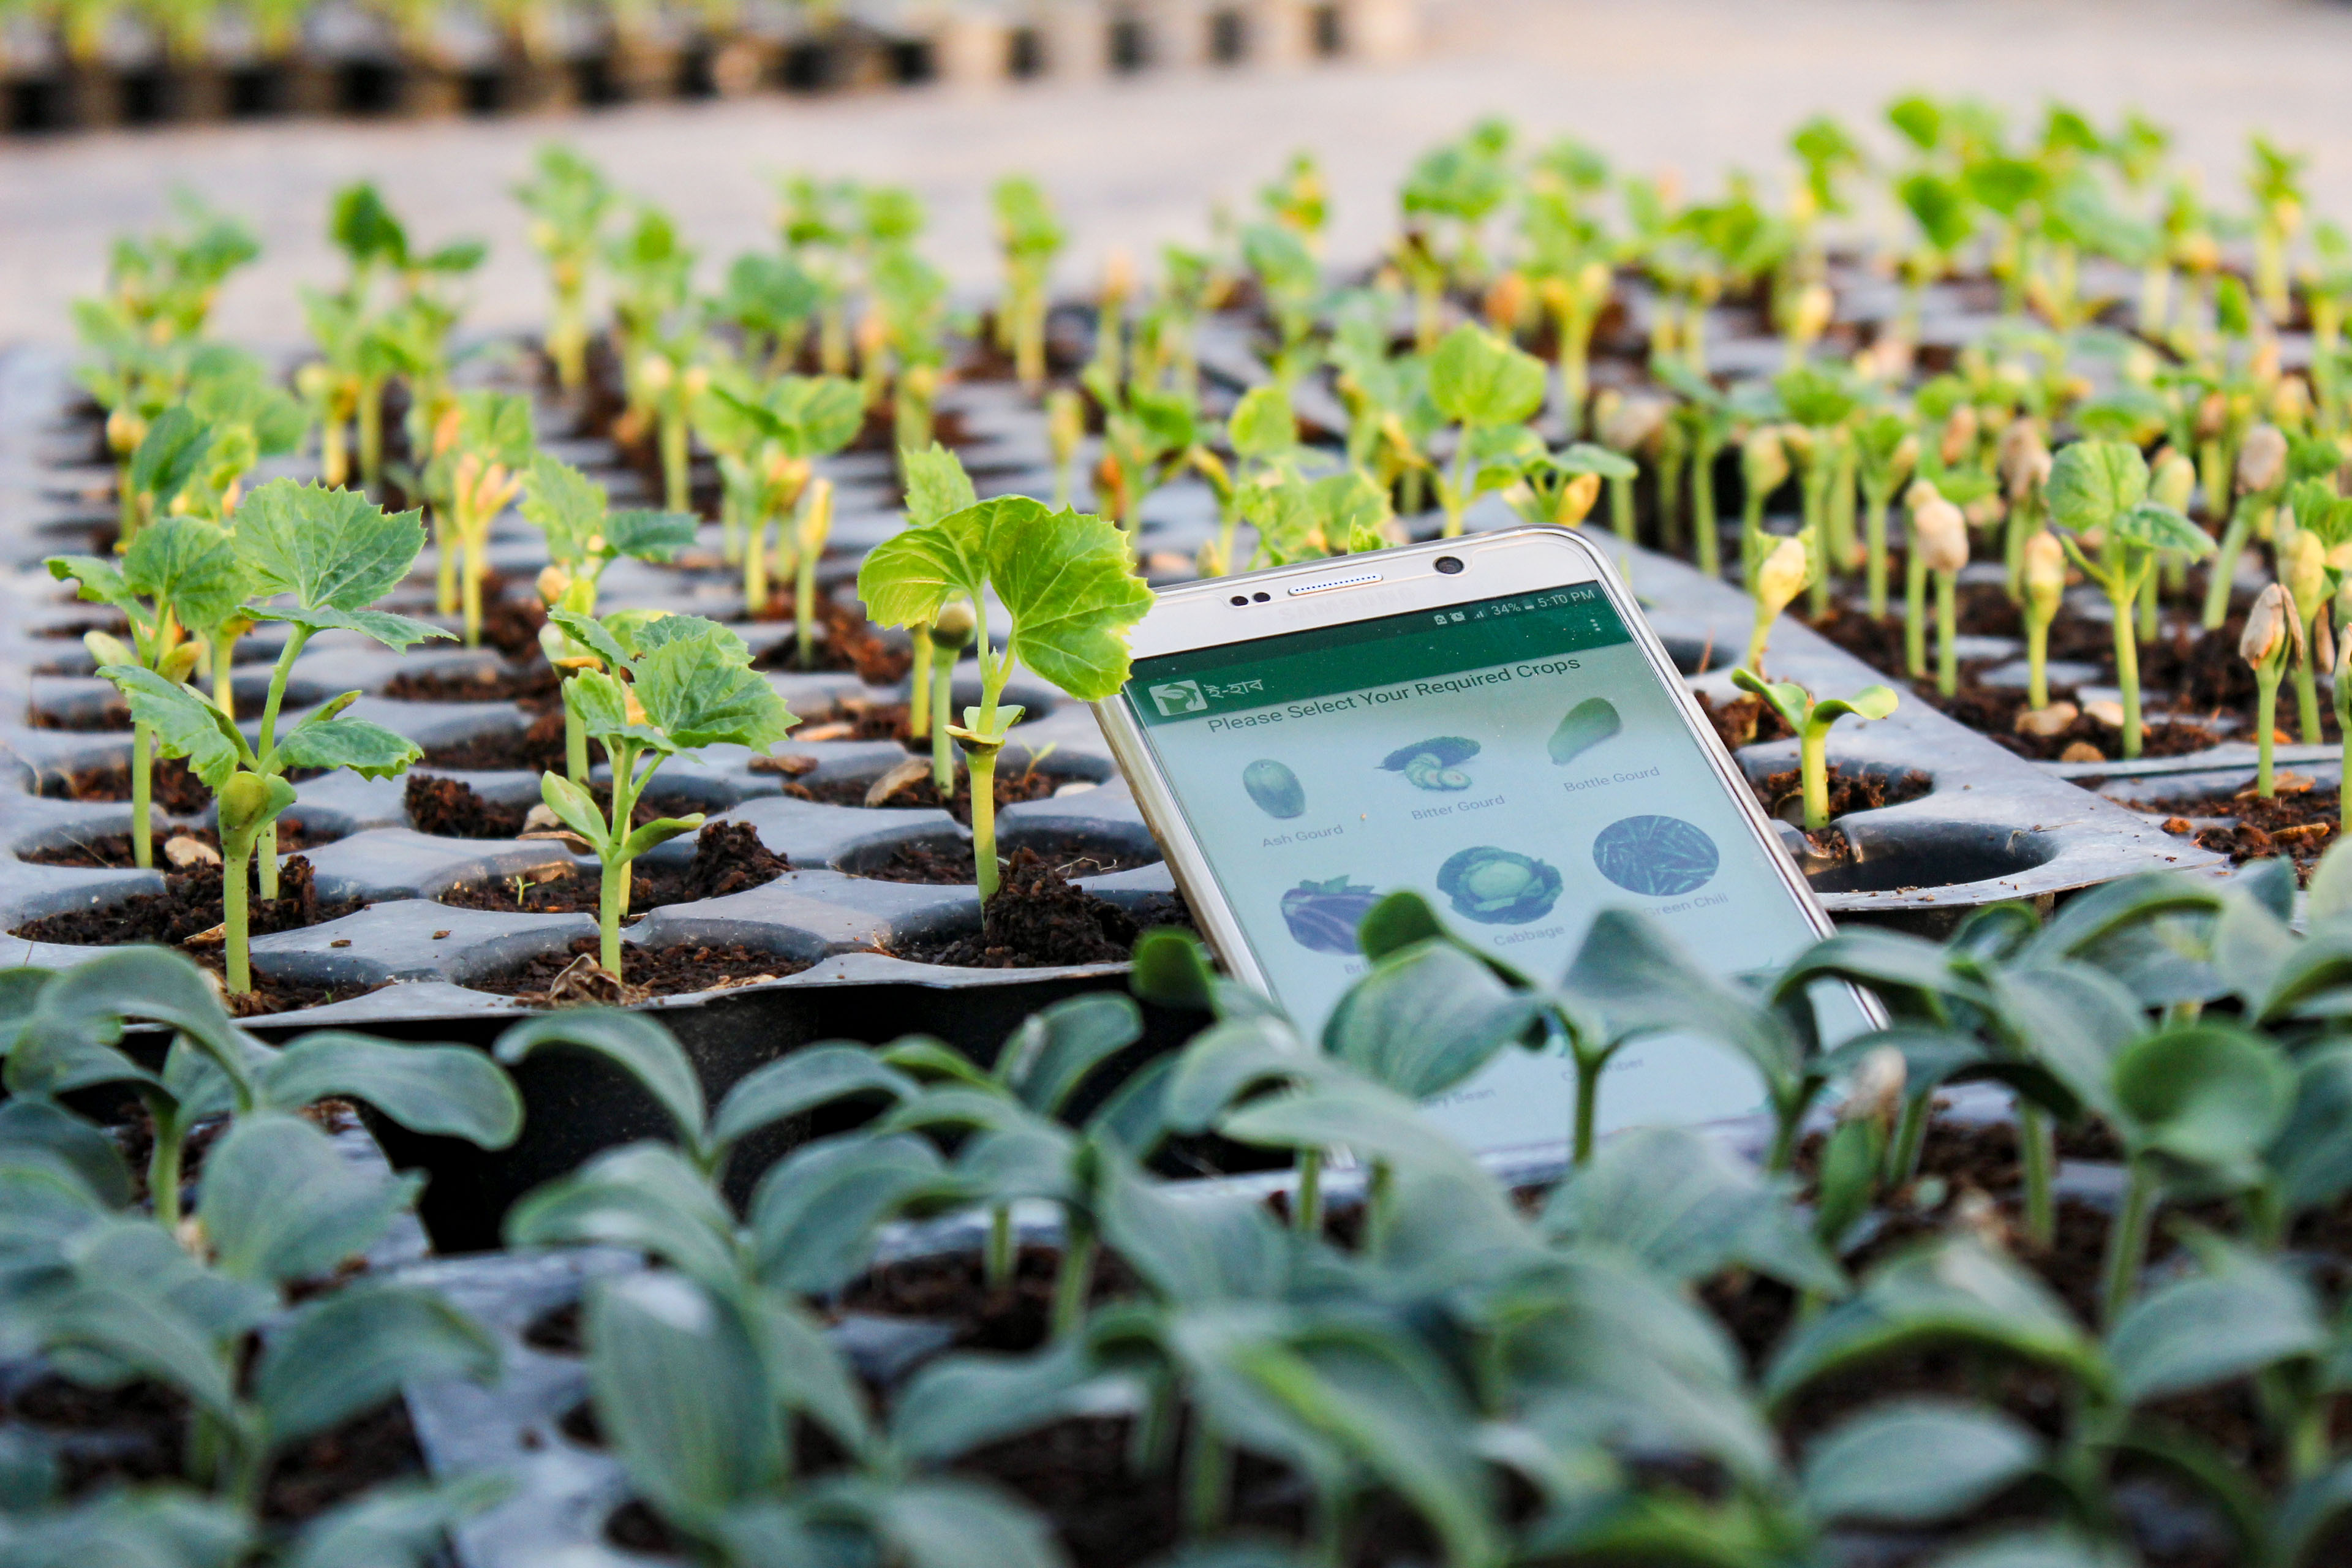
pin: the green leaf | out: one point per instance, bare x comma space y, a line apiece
1073, 592
936, 484
1191, 1250
1916, 1461
86, 1007
592, 635
659, 831
700, 693
330, 549
184, 723
795, 1084
681, 1395
961, 1402
280, 1203
1371, 1121
1050, 1055
939, 1523
2208, 1096
169, 455
132, 1335
576, 809
403, 1524
1172, 969
44, 1135
1263, 425
646, 535
1870, 702
186, 565
806, 1372
908, 577
451, 1091
96, 581
643, 1198
1689, 1208
1631, 969
1427, 1018
2152, 527
2249, 1314
635, 1043
1476, 378
367, 749
1946, 1292
564, 504
399, 633
350, 1352
2311, 1157
2093, 483
815, 1214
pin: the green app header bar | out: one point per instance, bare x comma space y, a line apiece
1456, 648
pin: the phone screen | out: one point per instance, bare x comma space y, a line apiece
1518, 762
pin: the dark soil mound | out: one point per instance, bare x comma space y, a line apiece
728, 858
1037, 918
189, 904
672, 970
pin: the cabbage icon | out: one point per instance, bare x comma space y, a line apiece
1498, 887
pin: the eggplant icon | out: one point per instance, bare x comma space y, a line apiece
1275, 789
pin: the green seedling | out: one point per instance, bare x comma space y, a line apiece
491, 445
2342, 694
2099, 491
584, 537
179, 574
1568, 260
2045, 590
1446, 200
1701, 424
1264, 435
1887, 451
1299, 519
2275, 181
1067, 582
1148, 439
1291, 280
1778, 580
1630, 427
1487, 391
1065, 430
1940, 543
333, 554
1821, 401
2312, 565
2273, 636
1812, 722
569, 202
936, 484
2261, 475
653, 272
769, 301
1560, 488
768, 445
911, 301
1029, 237
2023, 465
669, 684
1763, 469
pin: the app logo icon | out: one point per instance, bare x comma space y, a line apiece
1179, 697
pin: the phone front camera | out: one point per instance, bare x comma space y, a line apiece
1259, 598
1449, 564
1240, 598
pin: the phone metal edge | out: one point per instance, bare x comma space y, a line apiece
1156, 800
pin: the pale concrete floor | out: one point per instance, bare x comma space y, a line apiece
1693, 84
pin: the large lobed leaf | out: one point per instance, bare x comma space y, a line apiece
2093, 483
330, 549
1476, 378
184, 723
700, 691
1073, 592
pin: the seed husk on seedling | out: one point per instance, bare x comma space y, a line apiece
1939, 538
2274, 635
1779, 580
2045, 590
2262, 476
1812, 722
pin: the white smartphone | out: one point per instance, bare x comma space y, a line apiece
1488, 720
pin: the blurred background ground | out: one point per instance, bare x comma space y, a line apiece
1694, 84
